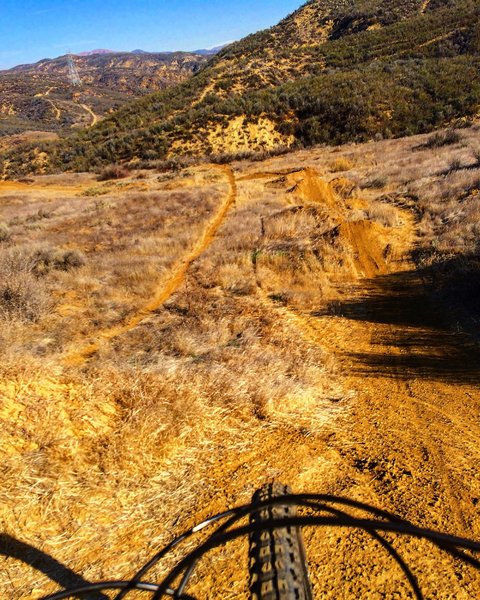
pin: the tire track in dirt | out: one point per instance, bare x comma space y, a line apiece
360, 235
166, 288
436, 451
416, 419
422, 434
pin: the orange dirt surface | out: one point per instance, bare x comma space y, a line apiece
405, 438
407, 443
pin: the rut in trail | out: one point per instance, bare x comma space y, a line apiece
165, 288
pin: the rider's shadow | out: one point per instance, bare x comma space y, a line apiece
49, 566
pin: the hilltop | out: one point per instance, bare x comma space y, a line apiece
334, 71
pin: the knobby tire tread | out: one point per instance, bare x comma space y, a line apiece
278, 568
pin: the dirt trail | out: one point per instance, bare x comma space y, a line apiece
408, 441
166, 288
425, 5
43, 94
440, 38
91, 113
56, 110
405, 432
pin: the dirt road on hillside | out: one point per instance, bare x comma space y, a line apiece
94, 117
407, 442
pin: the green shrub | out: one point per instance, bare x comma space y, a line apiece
113, 172
442, 138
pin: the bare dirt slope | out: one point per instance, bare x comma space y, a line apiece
285, 335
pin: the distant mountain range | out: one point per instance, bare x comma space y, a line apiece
40, 96
202, 52
100, 51
212, 51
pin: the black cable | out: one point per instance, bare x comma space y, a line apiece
437, 538
408, 573
453, 545
245, 510
155, 559
311, 501
294, 499
393, 553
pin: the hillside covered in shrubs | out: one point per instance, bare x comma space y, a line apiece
334, 71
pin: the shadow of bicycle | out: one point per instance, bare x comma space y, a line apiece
419, 307
10, 547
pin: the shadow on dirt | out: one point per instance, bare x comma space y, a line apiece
49, 566
435, 318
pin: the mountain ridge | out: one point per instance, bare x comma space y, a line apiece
104, 52
92, 52
39, 96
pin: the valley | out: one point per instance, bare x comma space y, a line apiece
333, 72
40, 97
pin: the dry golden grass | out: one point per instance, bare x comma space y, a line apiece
437, 178
439, 181
341, 165
128, 241
97, 466
385, 214
104, 461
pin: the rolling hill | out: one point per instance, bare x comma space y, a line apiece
333, 71
40, 97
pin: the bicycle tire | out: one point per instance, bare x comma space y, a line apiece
278, 566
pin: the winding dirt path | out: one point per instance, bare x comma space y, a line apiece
425, 5
91, 113
166, 288
43, 94
56, 110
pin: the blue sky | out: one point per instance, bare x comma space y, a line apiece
34, 29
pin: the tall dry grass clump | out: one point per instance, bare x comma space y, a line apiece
384, 214
341, 165
5, 233
22, 295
